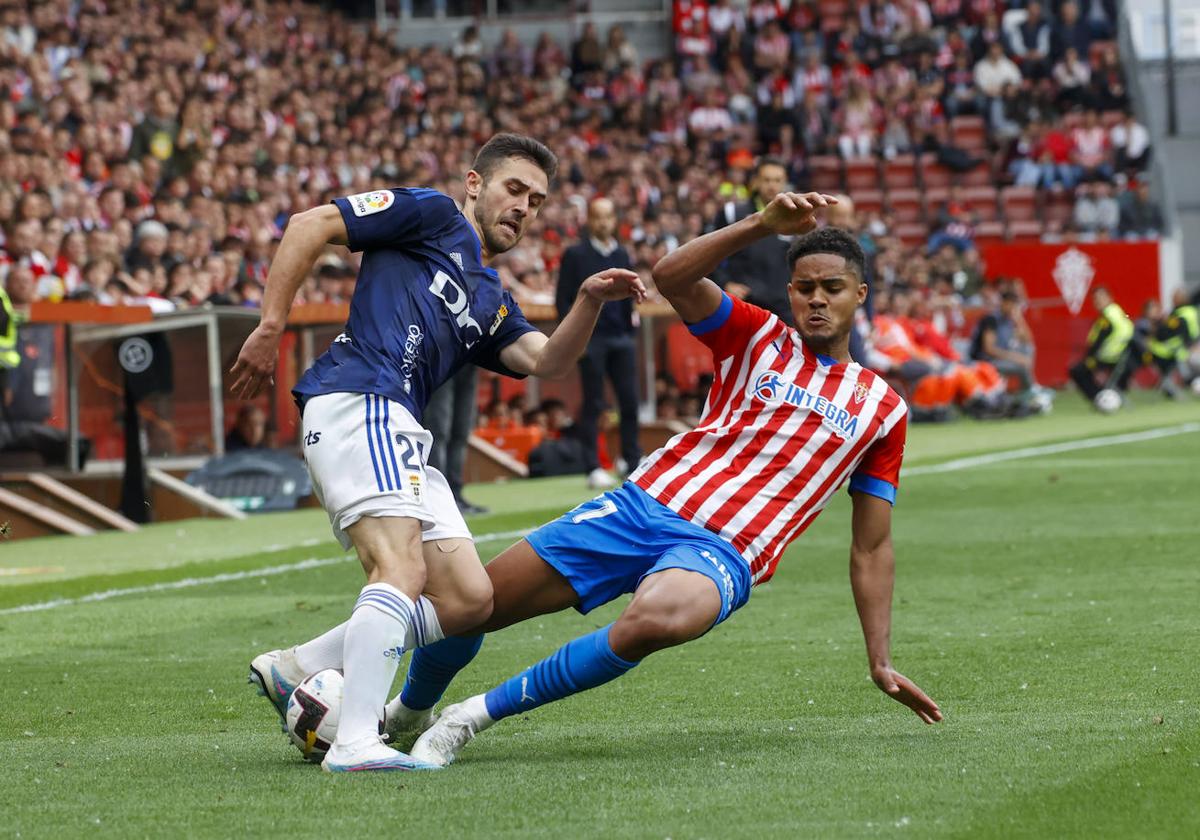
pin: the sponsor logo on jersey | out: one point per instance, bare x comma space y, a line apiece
342, 338
364, 204
408, 362
501, 314
774, 390
458, 303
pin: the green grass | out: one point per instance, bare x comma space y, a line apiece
1049, 605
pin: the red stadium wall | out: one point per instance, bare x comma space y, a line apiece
1059, 280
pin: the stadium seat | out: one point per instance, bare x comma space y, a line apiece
826, 171
1019, 203
906, 206
933, 174
1058, 207
862, 175
1025, 231
900, 173
983, 201
912, 233
989, 233
935, 197
833, 8
980, 176
969, 133
868, 201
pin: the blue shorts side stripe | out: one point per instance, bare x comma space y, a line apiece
371, 444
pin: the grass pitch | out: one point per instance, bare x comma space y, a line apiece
1049, 604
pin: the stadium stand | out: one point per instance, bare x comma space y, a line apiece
152, 153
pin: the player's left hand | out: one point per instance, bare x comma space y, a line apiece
903, 690
614, 284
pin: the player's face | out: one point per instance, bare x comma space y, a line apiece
824, 293
507, 203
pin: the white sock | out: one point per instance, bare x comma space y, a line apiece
375, 636
325, 651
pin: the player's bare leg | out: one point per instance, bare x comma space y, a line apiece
522, 586
461, 593
382, 623
669, 608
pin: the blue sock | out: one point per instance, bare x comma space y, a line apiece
434, 666
585, 663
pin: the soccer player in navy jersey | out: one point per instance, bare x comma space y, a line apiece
425, 304
789, 420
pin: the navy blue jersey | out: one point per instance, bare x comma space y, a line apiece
424, 304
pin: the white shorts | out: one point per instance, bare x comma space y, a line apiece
366, 455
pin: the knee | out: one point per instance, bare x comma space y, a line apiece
467, 608
641, 631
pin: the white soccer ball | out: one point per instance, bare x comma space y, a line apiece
313, 711
1108, 401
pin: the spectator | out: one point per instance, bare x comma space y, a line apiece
155, 135
587, 55
1003, 338
611, 351
249, 429
962, 96
1096, 210
1029, 41
995, 71
752, 274
1139, 215
856, 122
1092, 151
1131, 141
1072, 75
1072, 32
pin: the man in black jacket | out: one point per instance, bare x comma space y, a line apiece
612, 349
753, 273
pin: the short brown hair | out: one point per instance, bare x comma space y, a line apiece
504, 146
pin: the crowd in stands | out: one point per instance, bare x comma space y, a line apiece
153, 152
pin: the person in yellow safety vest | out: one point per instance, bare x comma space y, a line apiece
1169, 345
1108, 362
17, 290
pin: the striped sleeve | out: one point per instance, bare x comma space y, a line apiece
728, 330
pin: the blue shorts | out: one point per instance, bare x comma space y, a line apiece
605, 547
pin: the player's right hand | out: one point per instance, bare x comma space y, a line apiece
791, 213
903, 690
255, 365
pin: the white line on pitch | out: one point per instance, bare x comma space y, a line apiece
224, 577
316, 562
1050, 449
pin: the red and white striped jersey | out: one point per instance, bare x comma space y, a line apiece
782, 430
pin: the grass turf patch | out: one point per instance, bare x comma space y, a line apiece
1047, 604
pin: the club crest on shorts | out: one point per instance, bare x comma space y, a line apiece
860, 392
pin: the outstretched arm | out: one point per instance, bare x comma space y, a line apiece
682, 275
306, 235
872, 573
555, 357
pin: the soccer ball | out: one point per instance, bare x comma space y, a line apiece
1108, 401
313, 711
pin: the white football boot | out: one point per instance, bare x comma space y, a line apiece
455, 726
276, 674
402, 725
369, 753
601, 479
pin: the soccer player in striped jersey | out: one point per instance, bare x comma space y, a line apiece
790, 419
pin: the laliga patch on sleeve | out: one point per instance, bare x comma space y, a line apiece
364, 204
